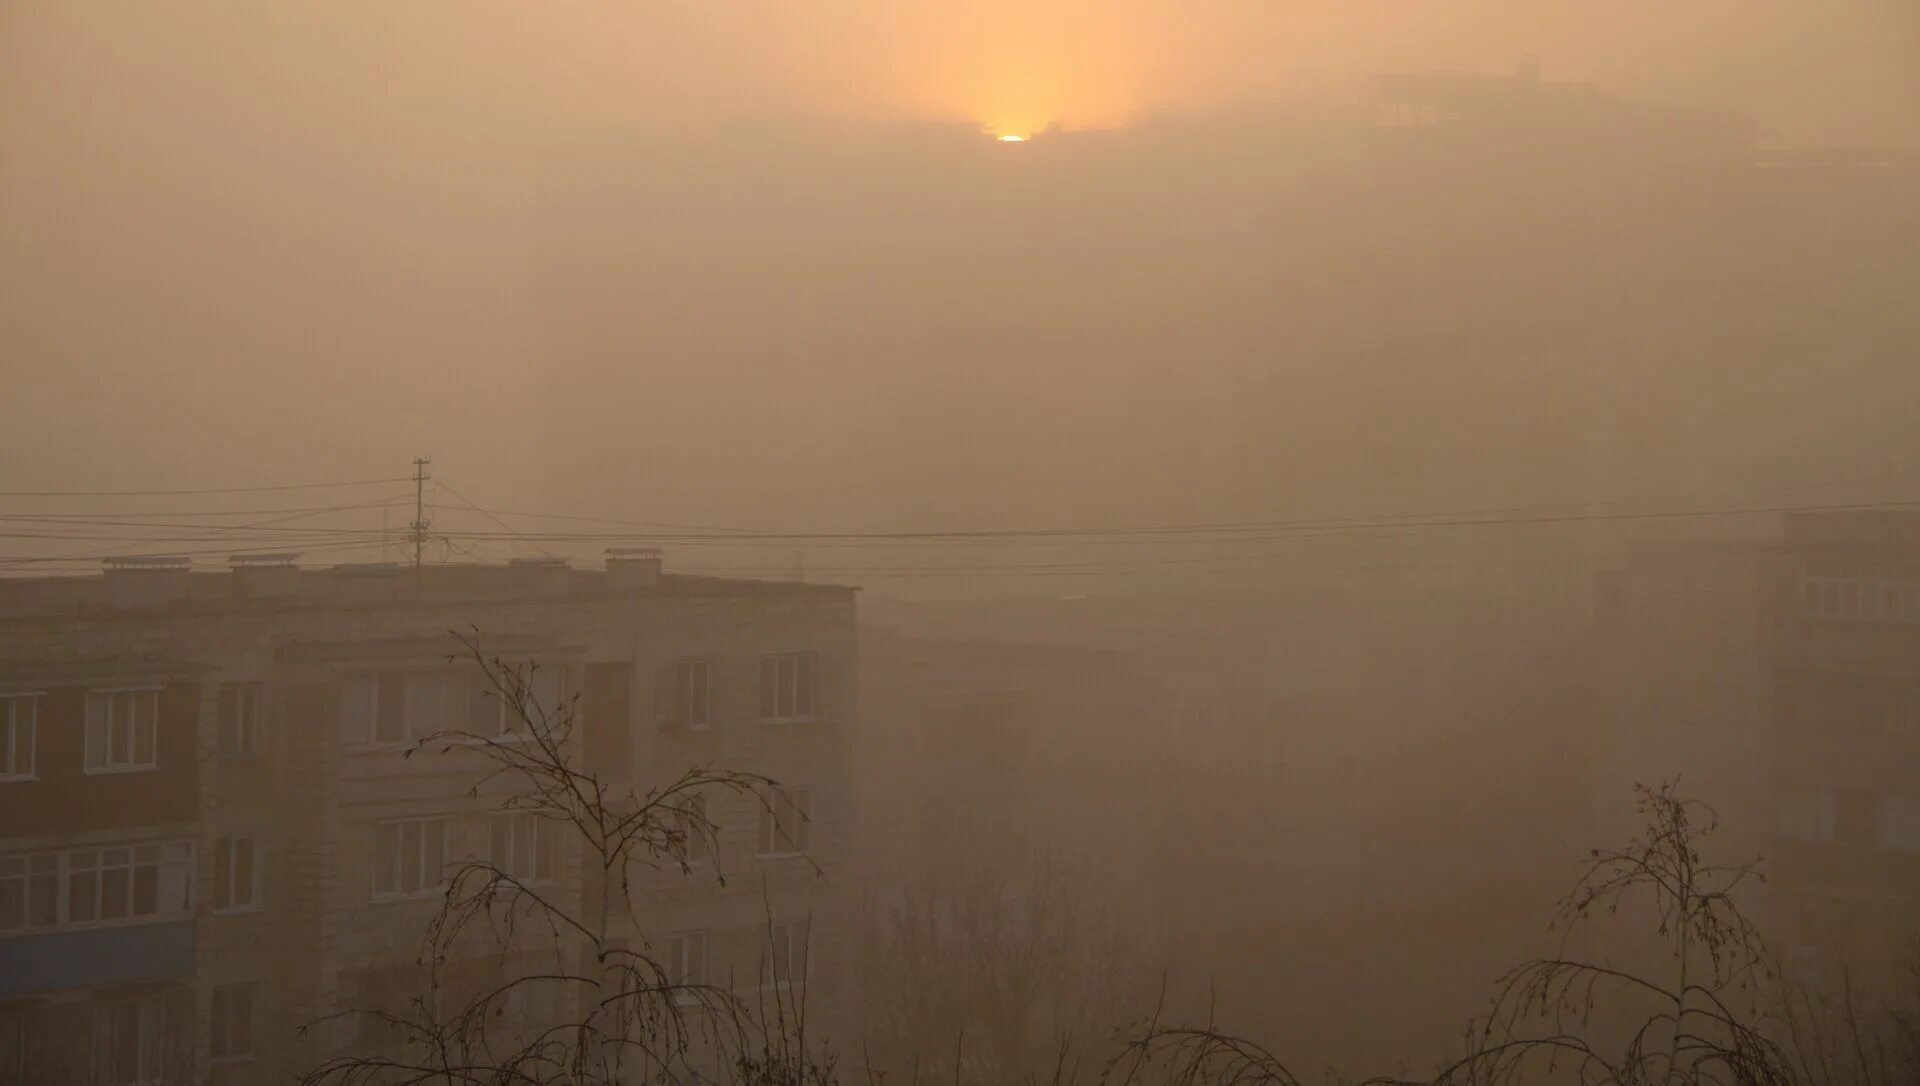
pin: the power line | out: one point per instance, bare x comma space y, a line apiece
217, 532
470, 505
1256, 531
199, 490
618, 520
91, 517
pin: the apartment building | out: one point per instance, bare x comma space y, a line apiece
1780, 680
211, 832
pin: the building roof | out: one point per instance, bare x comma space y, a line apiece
175, 589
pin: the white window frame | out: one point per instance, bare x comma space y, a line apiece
695, 847
693, 693
784, 698
415, 684
546, 692
151, 1011
537, 834
456, 694
793, 936
796, 839
686, 964
395, 891
232, 1005
97, 760
19, 874
1854, 592
61, 875
19, 736
240, 897
13, 1043
243, 737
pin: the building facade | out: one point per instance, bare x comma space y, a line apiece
212, 833
1780, 680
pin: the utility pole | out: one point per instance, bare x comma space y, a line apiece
417, 531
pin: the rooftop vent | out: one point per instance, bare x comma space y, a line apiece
147, 580
548, 575
264, 576
633, 567
148, 561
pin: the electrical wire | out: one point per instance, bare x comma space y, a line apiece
200, 490
1248, 531
470, 505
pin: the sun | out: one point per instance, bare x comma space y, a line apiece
1010, 138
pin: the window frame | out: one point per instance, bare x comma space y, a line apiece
60, 874
165, 1005
682, 970
425, 889
782, 673
772, 844
798, 940
13, 1042
684, 671
107, 765
244, 739
225, 864
220, 1032
10, 732
464, 702
535, 674
543, 849
695, 847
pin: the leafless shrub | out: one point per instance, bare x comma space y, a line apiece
574, 995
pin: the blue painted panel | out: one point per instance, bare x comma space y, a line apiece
95, 959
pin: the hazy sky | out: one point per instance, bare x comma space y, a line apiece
261, 242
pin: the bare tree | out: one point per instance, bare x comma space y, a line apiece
1700, 1020
521, 981
1696, 1020
974, 977
1846, 1032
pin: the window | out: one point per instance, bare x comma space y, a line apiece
231, 1027
123, 730
404, 707
1808, 816
239, 718
129, 882
786, 821
409, 857
19, 729
693, 694
686, 962
236, 874
785, 960
787, 686
1864, 592
29, 891
90, 886
408, 706
131, 1045
694, 844
13, 1044
545, 701
524, 847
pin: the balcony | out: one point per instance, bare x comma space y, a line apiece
96, 957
